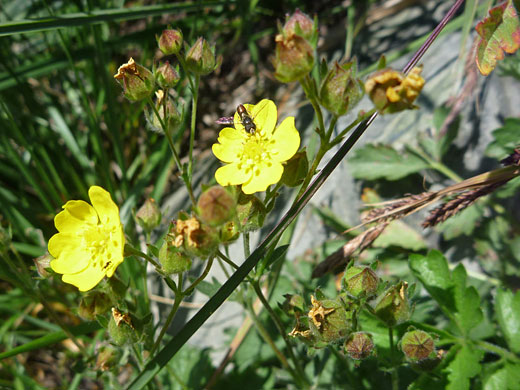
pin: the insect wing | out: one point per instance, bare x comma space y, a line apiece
225, 120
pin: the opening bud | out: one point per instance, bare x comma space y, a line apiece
192, 237
294, 58
299, 24
121, 329
166, 76
43, 265
200, 58
393, 308
391, 91
360, 282
359, 345
216, 206
138, 82
341, 90
170, 41
417, 345
329, 320
149, 215
250, 212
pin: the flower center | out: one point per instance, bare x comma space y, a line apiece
256, 150
102, 244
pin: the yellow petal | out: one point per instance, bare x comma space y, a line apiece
70, 255
286, 141
115, 251
105, 207
85, 280
264, 175
231, 145
75, 216
264, 115
231, 174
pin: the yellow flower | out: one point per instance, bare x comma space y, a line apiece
254, 159
90, 240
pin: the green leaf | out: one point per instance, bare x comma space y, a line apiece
503, 378
460, 303
499, 33
400, 234
506, 138
383, 162
508, 315
463, 367
463, 223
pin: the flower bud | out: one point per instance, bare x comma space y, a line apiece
340, 89
173, 261
168, 114
391, 91
107, 357
299, 24
138, 82
329, 319
360, 281
120, 328
93, 304
250, 212
295, 170
166, 76
43, 266
200, 58
216, 206
170, 41
359, 345
393, 308
417, 345
149, 215
294, 58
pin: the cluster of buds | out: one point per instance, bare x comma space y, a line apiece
140, 83
341, 90
295, 46
391, 91
327, 321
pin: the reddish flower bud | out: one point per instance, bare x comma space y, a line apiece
149, 215
216, 206
359, 345
166, 76
200, 58
170, 41
299, 24
417, 345
340, 90
294, 58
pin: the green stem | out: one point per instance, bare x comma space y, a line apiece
495, 349
281, 330
190, 289
245, 240
178, 299
130, 250
308, 88
176, 158
194, 100
393, 373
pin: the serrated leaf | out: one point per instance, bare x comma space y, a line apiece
506, 138
467, 301
508, 315
383, 162
463, 367
460, 303
499, 33
504, 378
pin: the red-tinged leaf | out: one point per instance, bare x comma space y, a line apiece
499, 33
